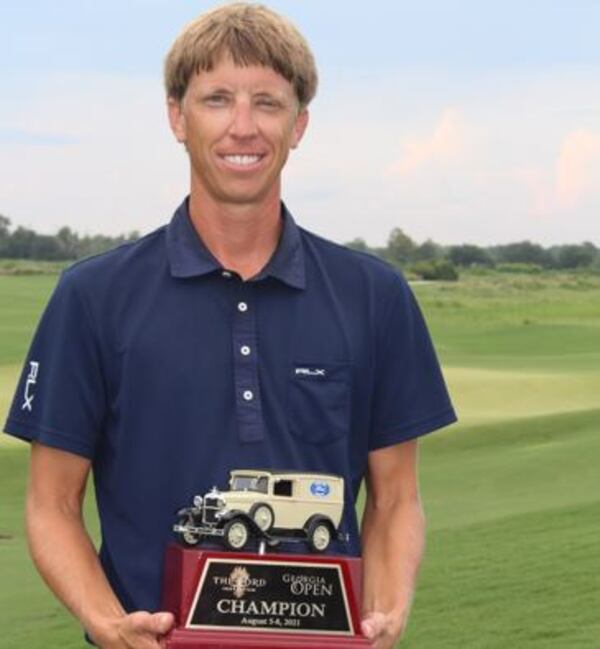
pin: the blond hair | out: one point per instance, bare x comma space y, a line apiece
251, 35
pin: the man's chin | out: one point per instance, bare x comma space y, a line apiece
241, 197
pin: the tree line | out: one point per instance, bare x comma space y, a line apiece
429, 260
65, 245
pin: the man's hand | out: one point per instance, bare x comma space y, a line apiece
67, 559
384, 630
139, 630
393, 534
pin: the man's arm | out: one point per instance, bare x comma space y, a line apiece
393, 533
65, 556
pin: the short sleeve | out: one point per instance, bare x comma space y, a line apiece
60, 397
411, 398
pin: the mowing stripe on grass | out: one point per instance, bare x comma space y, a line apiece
487, 395
526, 581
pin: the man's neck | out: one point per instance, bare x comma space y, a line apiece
242, 237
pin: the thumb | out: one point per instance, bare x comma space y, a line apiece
161, 622
373, 625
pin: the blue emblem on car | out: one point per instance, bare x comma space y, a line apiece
320, 489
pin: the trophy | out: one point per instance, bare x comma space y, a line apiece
240, 599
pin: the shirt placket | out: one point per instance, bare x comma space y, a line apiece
245, 361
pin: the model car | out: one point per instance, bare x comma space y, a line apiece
267, 505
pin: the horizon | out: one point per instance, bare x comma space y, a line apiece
462, 124
136, 235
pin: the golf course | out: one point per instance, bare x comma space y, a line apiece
511, 492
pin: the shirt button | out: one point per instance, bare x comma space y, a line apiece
245, 350
226, 273
248, 395
243, 307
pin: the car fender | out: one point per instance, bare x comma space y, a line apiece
238, 513
321, 518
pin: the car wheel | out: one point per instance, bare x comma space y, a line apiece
263, 516
188, 538
236, 534
319, 536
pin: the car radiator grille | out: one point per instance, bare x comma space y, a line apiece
210, 510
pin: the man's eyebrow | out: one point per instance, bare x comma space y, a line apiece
216, 90
272, 94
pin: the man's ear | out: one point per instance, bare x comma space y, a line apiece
176, 119
299, 127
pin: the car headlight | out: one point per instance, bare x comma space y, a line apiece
198, 502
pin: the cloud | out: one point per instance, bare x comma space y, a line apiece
571, 180
577, 166
444, 144
537, 183
98, 152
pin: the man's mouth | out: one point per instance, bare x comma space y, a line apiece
243, 160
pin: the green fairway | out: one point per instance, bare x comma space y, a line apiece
541, 323
22, 299
512, 493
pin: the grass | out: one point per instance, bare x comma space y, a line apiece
29, 616
511, 493
526, 581
548, 323
486, 473
22, 299
31, 267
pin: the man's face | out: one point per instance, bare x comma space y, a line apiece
238, 125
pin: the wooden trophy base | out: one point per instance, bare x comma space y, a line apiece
228, 600
184, 639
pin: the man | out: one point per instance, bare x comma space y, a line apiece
230, 338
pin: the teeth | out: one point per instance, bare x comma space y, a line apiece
242, 160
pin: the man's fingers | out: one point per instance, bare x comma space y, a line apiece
143, 630
162, 622
373, 625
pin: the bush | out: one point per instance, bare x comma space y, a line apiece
442, 269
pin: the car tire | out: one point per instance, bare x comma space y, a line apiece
262, 514
236, 534
189, 539
319, 535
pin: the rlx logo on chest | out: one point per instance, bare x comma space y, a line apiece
310, 371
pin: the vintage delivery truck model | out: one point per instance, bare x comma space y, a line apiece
267, 505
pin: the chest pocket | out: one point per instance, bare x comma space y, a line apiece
319, 401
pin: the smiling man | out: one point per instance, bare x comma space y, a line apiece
229, 338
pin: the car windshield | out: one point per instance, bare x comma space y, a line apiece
249, 483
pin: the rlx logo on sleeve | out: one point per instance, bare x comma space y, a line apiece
308, 371
31, 381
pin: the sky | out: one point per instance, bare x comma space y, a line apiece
455, 120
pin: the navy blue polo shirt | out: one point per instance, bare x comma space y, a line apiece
167, 370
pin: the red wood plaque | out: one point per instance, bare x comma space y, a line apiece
227, 600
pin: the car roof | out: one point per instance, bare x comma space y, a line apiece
279, 472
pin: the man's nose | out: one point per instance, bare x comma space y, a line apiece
243, 121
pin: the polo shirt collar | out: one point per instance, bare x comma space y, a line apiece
189, 257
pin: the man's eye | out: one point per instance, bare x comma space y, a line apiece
215, 100
267, 102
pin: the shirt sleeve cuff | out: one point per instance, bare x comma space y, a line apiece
405, 432
29, 432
